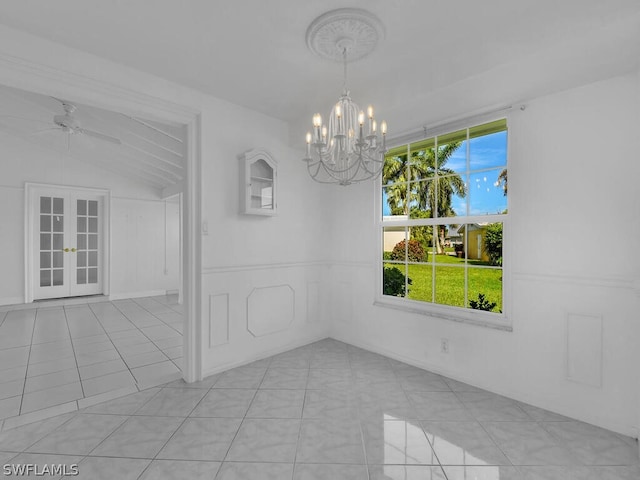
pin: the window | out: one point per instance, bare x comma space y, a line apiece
444, 204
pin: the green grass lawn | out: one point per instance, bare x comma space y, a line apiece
449, 281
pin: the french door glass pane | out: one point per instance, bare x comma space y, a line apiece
45, 241
81, 276
93, 208
82, 241
58, 223
93, 242
58, 277
93, 225
45, 259
45, 278
58, 206
82, 207
58, 240
58, 260
82, 259
45, 223
45, 204
82, 224
93, 275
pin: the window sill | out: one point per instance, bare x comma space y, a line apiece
460, 315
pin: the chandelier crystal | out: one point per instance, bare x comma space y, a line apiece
350, 146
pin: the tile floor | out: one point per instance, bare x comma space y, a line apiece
69, 353
326, 411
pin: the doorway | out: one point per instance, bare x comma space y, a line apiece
68, 241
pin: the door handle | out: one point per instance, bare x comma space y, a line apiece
65, 250
73, 249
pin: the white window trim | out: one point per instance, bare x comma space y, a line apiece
499, 321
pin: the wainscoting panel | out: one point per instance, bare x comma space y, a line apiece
313, 302
584, 349
270, 309
218, 319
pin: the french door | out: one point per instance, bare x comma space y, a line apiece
68, 242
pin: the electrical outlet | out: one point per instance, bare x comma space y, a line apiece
444, 345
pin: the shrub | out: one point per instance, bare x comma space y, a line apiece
393, 282
493, 243
482, 303
415, 252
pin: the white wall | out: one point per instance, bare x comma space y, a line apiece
253, 264
240, 255
573, 183
139, 220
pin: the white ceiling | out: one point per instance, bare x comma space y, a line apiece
454, 55
147, 151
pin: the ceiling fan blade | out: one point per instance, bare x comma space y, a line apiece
38, 132
101, 136
24, 118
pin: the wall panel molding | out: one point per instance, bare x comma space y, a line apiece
218, 319
259, 266
270, 309
624, 283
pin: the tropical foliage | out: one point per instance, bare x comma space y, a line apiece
393, 282
414, 251
420, 181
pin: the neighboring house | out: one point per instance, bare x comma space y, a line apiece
475, 240
393, 235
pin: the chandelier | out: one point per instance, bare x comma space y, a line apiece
349, 148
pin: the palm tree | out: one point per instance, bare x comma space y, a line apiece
425, 193
502, 180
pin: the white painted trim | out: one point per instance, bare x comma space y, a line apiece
192, 257
27, 74
146, 293
11, 301
621, 283
541, 402
261, 266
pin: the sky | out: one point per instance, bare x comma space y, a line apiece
487, 158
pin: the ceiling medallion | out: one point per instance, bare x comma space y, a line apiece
349, 148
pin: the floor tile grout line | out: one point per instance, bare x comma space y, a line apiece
143, 333
155, 457
75, 357
360, 421
304, 401
26, 372
243, 418
114, 345
153, 314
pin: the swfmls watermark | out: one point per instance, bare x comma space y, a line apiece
46, 470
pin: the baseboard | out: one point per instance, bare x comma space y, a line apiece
627, 430
268, 353
11, 301
148, 293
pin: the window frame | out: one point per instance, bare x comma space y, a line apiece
500, 321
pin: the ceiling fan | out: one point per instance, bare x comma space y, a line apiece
69, 124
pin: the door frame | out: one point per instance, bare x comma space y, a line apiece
23, 65
30, 190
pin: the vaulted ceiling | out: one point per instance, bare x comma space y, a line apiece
454, 56
148, 151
